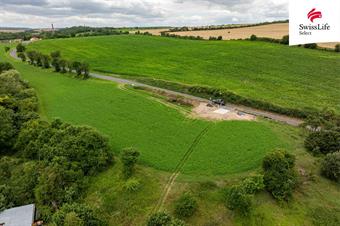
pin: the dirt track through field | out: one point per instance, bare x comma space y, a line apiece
179, 167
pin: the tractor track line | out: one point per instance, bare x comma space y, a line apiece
178, 168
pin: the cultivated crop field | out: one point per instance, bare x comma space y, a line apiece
276, 31
161, 133
286, 76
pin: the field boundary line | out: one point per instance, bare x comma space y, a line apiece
178, 168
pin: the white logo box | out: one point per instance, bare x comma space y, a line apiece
304, 28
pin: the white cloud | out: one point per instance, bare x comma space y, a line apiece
41, 13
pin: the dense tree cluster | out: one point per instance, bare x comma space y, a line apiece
18, 104
76, 215
239, 197
280, 177
323, 132
81, 69
49, 161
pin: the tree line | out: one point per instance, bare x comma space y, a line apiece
38, 59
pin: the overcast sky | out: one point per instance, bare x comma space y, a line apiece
118, 13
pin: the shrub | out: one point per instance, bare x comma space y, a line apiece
220, 38
337, 48
238, 200
323, 141
5, 66
285, 40
7, 48
159, 219
22, 56
129, 159
253, 37
20, 48
253, 184
185, 206
132, 185
331, 166
311, 46
280, 177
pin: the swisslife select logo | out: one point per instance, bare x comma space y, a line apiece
312, 15
307, 29
314, 21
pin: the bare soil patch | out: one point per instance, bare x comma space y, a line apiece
211, 112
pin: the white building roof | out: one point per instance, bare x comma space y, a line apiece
18, 216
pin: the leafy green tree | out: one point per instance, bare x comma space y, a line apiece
23, 181
323, 141
330, 167
129, 159
60, 182
7, 48
38, 59
56, 60
159, 219
185, 206
32, 56
285, 40
46, 61
81, 211
5, 66
238, 200
253, 37
85, 68
20, 48
63, 66
44, 141
77, 66
22, 56
56, 64
253, 184
337, 48
8, 129
280, 177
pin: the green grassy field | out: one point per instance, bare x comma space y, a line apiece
286, 76
131, 118
162, 133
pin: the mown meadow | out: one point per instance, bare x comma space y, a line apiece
289, 77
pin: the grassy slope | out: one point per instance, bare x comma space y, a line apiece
107, 195
286, 76
162, 134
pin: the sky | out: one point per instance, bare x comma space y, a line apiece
120, 13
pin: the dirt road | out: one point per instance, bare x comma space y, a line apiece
269, 115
